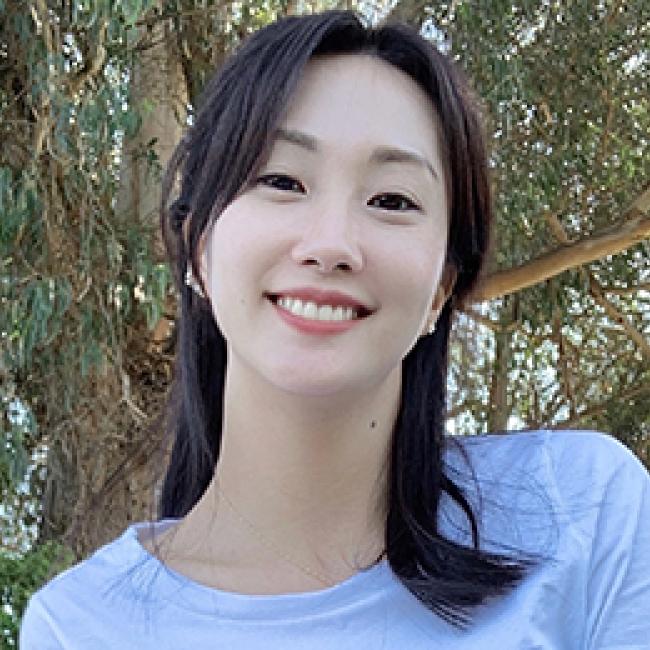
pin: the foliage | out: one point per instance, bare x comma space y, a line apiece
20, 575
69, 260
75, 272
566, 91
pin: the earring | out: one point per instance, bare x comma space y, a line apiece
430, 327
192, 282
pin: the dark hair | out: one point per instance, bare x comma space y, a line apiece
241, 107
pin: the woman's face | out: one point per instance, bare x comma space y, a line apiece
352, 199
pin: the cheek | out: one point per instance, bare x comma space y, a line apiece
415, 269
238, 251
224, 262
230, 239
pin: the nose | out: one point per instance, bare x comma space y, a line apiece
330, 241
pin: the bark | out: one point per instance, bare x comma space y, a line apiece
499, 408
160, 92
499, 411
103, 468
105, 460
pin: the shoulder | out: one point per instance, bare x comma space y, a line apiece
590, 451
576, 482
94, 570
571, 466
602, 492
559, 457
63, 604
580, 502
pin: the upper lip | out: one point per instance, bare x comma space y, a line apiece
322, 297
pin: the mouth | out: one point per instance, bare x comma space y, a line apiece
318, 311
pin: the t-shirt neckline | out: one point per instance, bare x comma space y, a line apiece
168, 584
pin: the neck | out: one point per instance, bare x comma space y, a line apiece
307, 472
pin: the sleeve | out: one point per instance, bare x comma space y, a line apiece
618, 588
36, 632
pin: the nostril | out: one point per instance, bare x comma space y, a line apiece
328, 267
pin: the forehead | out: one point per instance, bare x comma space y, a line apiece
360, 100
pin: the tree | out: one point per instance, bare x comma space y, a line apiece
81, 281
565, 89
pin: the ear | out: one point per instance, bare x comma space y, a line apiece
202, 256
445, 288
443, 291
201, 247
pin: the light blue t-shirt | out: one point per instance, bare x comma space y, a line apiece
579, 500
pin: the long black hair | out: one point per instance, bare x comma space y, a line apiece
239, 112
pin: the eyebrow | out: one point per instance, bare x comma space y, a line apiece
380, 155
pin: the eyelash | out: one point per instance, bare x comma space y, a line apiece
271, 181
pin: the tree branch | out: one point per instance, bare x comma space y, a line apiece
597, 409
163, 16
608, 242
597, 293
483, 320
95, 63
596, 290
626, 291
41, 16
411, 12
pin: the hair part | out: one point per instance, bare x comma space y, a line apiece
241, 108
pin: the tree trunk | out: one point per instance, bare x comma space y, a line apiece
499, 407
103, 465
159, 92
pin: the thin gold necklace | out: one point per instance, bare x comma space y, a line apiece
321, 577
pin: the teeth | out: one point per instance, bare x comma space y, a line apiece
325, 312
312, 311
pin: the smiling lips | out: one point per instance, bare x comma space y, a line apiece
316, 311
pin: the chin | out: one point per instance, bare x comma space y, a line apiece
316, 388
335, 385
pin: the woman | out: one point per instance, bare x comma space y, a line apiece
332, 211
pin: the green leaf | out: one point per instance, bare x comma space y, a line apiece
5, 188
131, 10
131, 121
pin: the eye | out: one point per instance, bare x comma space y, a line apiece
393, 201
281, 182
